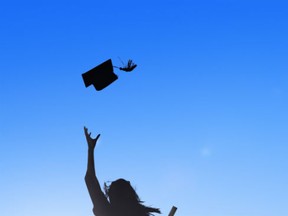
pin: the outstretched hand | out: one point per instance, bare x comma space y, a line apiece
90, 141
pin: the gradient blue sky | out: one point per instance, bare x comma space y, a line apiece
200, 124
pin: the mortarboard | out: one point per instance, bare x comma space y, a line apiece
100, 76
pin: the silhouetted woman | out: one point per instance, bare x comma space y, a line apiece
120, 199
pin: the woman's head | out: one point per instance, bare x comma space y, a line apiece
123, 197
121, 192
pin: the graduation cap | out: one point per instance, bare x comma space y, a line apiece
103, 75
100, 76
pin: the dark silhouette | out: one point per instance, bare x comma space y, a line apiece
100, 76
120, 199
129, 67
172, 211
103, 75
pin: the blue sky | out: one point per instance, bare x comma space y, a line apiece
200, 124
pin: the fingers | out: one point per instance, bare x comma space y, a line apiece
88, 135
86, 132
97, 137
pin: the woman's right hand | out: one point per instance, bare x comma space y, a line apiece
91, 142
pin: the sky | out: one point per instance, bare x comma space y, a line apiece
200, 124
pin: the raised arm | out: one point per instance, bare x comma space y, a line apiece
91, 146
101, 205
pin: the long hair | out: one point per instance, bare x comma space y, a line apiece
124, 198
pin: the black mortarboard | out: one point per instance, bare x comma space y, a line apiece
100, 76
